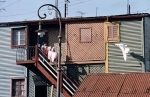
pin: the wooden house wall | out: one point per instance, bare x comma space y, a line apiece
53, 32
84, 52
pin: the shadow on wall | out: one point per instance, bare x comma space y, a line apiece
76, 72
138, 57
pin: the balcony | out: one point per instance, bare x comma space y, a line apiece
26, 55
32, 55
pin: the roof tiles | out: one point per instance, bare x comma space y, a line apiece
115, 85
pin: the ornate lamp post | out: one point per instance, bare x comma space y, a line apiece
59, 37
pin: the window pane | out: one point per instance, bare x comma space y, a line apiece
22, 87
15, 87
15, 38
22, 36
18, 87
22, 42
85, 35
22, 93
22, 31
14, 93
15, 82
14, 90
18, 34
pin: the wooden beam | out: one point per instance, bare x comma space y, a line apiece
106, 47
27, 62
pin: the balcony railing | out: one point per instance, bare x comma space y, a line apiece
37, 56
25, 53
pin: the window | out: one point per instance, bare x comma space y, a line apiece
113, 32
18, 88
18, 37
85, 35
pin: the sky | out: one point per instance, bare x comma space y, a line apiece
23, 10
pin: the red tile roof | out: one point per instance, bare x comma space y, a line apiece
115, 85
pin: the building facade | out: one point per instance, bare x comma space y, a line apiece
88, 46
133, 33
11, 75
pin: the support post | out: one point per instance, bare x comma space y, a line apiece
36, 54
59, 37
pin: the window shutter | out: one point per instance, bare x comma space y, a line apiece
110, 32
115, 32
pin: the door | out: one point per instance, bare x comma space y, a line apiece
40, 91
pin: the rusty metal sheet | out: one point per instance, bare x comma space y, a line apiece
81, 94
89, 83
115, 85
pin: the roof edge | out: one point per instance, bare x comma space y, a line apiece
74, 19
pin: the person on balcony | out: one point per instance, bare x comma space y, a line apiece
44, 49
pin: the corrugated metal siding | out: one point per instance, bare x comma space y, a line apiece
131, 35
8, 67
78, 72
36, 78
147, 42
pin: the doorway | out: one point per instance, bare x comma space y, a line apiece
41, 91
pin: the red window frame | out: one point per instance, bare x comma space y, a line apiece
17, 82
12, 37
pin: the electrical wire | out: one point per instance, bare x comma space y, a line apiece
59, 7
43, 10
79, 2
12, 3
141, 11
2, 3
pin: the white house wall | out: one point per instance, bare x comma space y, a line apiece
8, 67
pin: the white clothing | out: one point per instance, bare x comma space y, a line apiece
52, 56
49, 48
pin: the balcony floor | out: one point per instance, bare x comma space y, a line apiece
25, 62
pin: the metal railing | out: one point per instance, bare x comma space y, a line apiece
66, 82
25, 53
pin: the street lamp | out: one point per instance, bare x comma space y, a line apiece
40, 32
59, 38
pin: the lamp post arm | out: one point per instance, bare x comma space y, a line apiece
56, 9
59, 37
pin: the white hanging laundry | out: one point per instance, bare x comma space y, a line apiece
52, 55
49, 48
